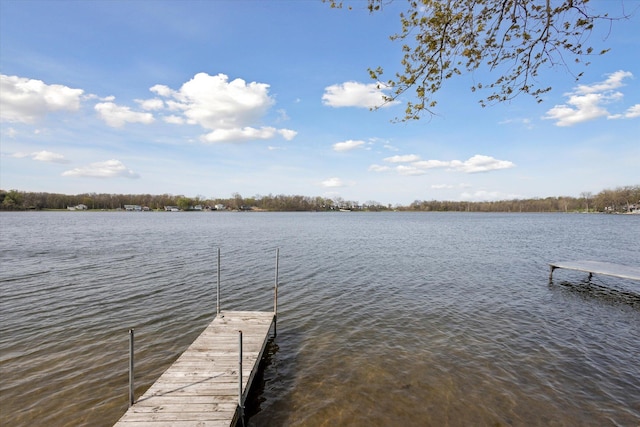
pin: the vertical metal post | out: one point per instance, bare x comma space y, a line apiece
275, 295
131, 388
240, 376
218, 287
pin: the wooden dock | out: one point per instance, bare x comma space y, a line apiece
598, 267
209, 383
202, 387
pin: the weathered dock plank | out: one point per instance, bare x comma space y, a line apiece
598, 267
201, 387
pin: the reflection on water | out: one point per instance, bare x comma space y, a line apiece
260, 382
385, 319
605, 292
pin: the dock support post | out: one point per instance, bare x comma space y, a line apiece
551, 267
131, 387
240, 405
275, 296
218, 286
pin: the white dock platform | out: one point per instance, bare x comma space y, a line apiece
598, 267
202, 387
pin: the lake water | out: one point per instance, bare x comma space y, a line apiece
385, 319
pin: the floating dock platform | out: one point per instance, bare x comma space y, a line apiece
208, 384
598, 267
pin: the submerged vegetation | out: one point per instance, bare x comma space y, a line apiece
620, 200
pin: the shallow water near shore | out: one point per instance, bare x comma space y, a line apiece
384, 318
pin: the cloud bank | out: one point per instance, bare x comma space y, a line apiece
109, 169
231, 111
411, 164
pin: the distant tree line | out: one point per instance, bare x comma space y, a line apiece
619, 200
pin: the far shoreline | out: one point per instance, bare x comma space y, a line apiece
617, 201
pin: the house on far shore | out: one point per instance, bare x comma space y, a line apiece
133, 208
171, 209
79, 207
219, 207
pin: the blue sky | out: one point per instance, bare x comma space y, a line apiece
211, 98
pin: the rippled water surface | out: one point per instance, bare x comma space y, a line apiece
384, 318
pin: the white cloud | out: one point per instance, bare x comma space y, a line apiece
118, 115
480, 163
409, 170
379, 168
109, 169
174, 120
245, 134
347, 145
632, 112
230, 110
238, 134
151, 104
42, 156
213, 102
48, 156
580, 108
448, 186
414, 166
355, 94
402, 159
162, 90
432, 164
614, 81
287, 134
587, 102
332, 183
25, 100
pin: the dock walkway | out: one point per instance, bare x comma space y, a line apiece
201, 388
598, 267
209, 383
